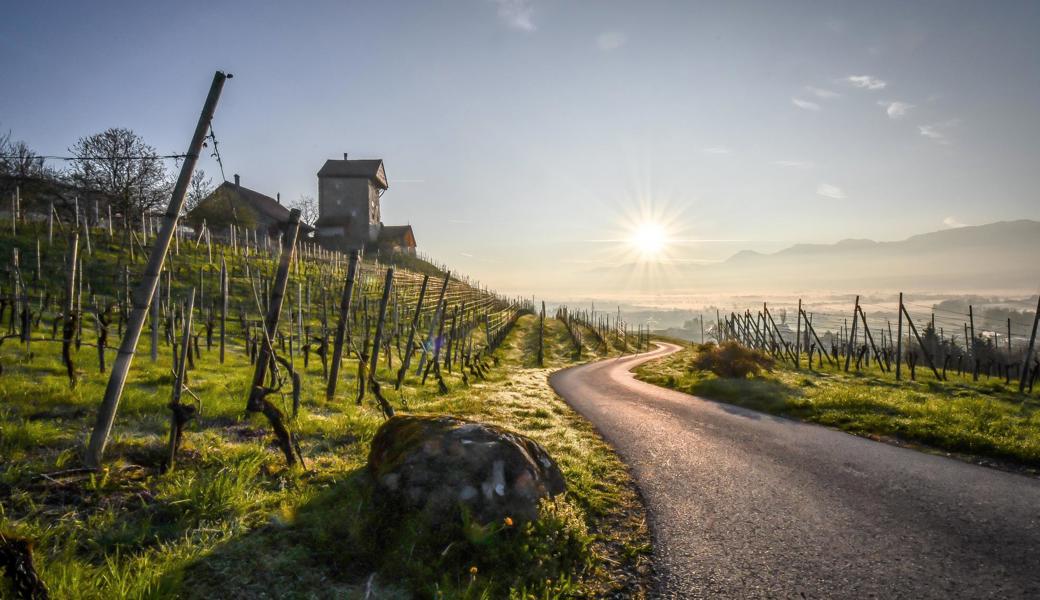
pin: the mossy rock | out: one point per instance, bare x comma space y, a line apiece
441, 467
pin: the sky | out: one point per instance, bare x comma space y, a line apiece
525, 140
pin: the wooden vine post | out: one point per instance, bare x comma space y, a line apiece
437, 315
1024, 371
341, 325
223, 305
899, 341
69, 310
798, 339
180, 413
143, 294
409, 347
377, 339
257, 392
852, 336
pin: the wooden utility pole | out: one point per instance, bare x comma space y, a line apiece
341, 325
145, 290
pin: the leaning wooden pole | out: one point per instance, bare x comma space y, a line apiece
341, 326
145, 290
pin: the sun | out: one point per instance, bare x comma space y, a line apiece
649, 238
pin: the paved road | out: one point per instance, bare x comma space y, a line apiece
747, 505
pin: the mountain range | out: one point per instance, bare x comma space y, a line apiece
1000, 256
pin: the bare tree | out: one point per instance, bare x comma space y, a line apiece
120, 164
199, 188
17, 159
308, 209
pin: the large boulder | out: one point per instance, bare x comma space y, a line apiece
440, 465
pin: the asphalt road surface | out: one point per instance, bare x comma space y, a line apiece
748, 505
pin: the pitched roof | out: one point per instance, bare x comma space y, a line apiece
264, 204
367, 168
401, 235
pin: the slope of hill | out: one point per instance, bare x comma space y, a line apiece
997, 256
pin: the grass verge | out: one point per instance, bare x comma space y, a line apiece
985, 420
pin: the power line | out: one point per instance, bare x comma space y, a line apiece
141, 157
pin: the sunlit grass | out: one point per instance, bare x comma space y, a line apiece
985, 419
230, 520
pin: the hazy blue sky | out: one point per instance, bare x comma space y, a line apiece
520, 136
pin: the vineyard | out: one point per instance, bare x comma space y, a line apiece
915, 374
266, 365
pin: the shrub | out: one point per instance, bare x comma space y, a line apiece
731, 360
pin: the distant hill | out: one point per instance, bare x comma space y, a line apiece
995, 257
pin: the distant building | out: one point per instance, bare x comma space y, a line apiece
233, 203
348, 208
396, 238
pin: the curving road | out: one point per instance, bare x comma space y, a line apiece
748, 505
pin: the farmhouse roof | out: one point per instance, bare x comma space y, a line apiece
363, 168
265, 205
400, 235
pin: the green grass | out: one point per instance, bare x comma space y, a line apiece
231, 521
984, 419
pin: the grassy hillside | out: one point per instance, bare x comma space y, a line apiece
232, 521
983, 420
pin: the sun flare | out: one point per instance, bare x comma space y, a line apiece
649, 238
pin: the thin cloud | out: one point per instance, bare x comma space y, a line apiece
896, 110
794, 164
830, 191
805, 104
516, 14
866, 82
937, 131
717, 150
822, 93
953, 222
611, 40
